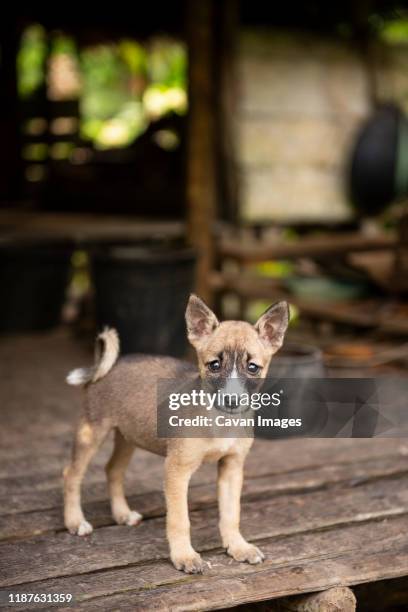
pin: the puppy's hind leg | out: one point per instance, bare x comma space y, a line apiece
88, 438
115, 471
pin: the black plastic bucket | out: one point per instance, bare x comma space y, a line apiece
33, 281
301, 364
142, 291
297, 361
379, 166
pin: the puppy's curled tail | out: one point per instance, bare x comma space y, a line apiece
106, 354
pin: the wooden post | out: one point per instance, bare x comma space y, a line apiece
400, 273
228, 92
201, 167
336, 599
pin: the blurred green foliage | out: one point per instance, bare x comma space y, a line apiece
275, 269
31, 60
60, 43
396, 31
122, 86
167, 63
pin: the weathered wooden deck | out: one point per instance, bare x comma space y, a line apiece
326, 512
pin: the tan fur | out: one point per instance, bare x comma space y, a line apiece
236, 336
124, 399
85, 434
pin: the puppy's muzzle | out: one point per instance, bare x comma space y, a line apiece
231, 403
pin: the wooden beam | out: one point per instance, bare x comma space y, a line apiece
359, 314
324, 246
337, 599
17, 224
201, 179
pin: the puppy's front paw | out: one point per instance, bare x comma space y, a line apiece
129, 517
189, 562
81, 528
246, 553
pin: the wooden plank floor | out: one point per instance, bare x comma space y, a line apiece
325, 512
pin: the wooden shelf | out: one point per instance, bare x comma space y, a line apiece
369, 314
320, 246
83, 227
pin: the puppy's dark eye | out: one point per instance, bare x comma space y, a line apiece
253, 368
214, 366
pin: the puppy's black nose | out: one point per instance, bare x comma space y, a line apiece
231, 401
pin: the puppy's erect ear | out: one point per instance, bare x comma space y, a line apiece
272, 325
201, 321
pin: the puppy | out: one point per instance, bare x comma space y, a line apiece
121, 395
